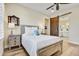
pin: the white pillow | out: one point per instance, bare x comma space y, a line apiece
28, 31
31, 31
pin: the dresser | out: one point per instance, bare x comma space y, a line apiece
14, 40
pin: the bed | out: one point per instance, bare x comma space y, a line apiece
40, 45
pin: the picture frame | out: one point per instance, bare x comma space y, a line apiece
14, 19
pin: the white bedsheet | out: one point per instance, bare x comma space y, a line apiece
33, 43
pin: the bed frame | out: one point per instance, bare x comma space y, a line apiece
51, 50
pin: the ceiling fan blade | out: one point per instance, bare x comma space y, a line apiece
64, 3
50, 7
57, 6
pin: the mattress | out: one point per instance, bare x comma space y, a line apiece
33, 43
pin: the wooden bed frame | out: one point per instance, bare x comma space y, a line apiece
55, 49
51, 50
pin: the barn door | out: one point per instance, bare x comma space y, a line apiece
54, 26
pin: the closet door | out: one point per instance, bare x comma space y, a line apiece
54, 26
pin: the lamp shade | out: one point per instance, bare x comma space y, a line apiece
11, 25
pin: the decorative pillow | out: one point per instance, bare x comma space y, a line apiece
35, 32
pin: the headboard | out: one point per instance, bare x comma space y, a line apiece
23, 28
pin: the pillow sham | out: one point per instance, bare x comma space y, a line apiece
31, 31
28, 31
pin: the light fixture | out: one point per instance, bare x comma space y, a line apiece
11, 26
52, 10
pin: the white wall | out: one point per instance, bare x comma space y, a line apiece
27, 17
74, 25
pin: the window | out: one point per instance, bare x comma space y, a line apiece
1, 21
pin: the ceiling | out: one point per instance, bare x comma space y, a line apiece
41, 7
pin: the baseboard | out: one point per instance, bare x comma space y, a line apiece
74, 43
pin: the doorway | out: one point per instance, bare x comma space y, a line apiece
64, 26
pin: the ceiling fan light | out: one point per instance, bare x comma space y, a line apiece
52, 11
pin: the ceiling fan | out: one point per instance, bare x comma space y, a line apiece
57, 6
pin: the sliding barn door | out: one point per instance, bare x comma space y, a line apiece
54, 26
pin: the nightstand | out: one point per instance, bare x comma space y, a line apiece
14, 40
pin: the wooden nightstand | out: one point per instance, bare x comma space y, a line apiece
14, 40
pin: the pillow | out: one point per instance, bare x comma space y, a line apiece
35, 32
28, 31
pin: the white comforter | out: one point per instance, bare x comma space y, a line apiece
33, 43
